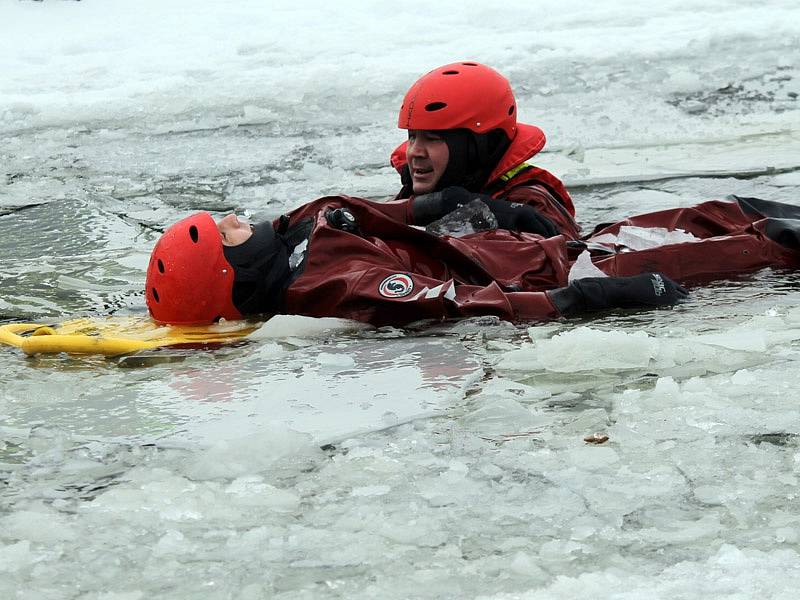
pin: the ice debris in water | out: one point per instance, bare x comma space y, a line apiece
281, 326
335, 361
585, 349
590, 349
642, 238
584, 267
729, 572
465, 220
252, 454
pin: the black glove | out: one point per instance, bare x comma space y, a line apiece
598, 293
520, 217
510, 215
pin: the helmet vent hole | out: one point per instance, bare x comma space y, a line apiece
193, 233
470, 64
160, 266
155, 295
434, 106
450, 73
510, 110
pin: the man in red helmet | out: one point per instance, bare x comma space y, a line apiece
464, 143
344, 257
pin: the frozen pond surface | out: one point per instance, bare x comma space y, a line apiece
446, 461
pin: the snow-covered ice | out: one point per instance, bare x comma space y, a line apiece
325, 459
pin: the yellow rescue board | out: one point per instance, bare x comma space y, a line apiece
112, 336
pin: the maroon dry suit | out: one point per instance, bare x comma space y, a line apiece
735, 236
382, 271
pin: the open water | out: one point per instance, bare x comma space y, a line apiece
446, 461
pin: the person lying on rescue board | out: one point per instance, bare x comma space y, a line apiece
344, 257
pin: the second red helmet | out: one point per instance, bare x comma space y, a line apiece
462, 95
189, 281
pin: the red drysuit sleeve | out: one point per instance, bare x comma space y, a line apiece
399, 210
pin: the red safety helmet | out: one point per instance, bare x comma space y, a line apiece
189, 281
462, 95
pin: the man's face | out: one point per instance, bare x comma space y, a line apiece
234, 231
427, 155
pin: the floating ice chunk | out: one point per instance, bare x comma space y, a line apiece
458, 466
524, 564
45, 526
744, 377
172, 542
583, 267
642, 238
740, 339
466, 220
585, 349
340, 361
787, 535
370, 490
281, 326
500, 416
413, 533
251, 454
253, 491
684, 531
587, 421
591, 458
258, 114
559, 549
683, 80
503, 387
15, 556
666, 389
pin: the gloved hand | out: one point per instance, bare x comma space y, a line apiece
520, 217
598, 293
510, 215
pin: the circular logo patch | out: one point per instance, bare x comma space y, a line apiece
396, 286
